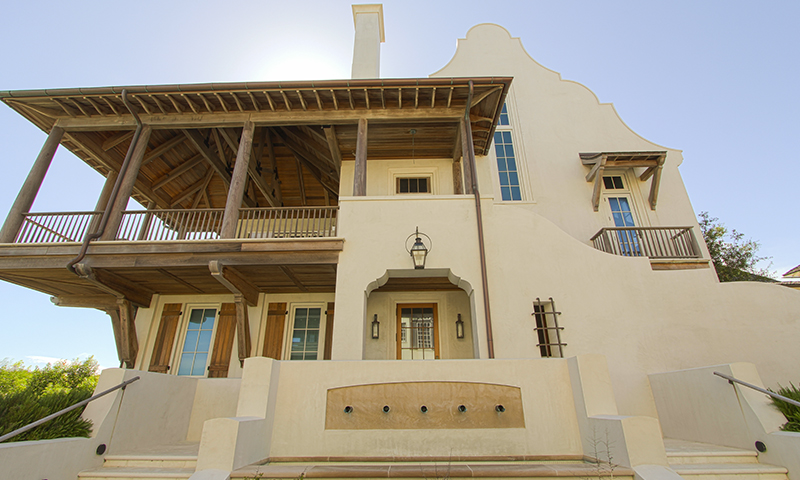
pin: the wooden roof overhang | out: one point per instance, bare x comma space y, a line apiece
304, 130
141, 269
653, 162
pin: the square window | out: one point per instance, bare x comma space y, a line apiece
414, 185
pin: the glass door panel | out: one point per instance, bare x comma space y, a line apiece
417, 336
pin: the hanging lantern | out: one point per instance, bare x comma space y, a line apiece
376, 327
418, 251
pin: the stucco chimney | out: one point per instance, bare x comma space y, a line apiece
369, 36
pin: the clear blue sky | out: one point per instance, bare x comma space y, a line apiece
716, 79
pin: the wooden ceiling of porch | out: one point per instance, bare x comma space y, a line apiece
304, 130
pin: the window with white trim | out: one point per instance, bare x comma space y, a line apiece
197, 342
510, 189
306, 333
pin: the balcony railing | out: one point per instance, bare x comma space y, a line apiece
57, 227
198, 224
652, 242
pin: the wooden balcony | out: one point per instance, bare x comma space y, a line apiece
181, 224
656, 243
175, 252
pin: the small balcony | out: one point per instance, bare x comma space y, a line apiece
182, 224
656, 243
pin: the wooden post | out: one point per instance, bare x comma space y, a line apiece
238, 182
126, 185
148, 218
360, 173
242, 328
466, 147
30, 188
102, 202
127, 329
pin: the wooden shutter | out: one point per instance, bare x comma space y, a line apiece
328, 331
165, 339
223, 342
273, 338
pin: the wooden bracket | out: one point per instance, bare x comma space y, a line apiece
120, 287
234, 281
242, 328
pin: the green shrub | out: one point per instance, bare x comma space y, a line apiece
25, 398
791, 412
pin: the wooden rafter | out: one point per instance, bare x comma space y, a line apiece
333, 145
300, 182
178, 171
291, 276
234, 281
115, 140
163, 148
192, 189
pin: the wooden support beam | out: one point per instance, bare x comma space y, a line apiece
234, 281
100, 302
309, 156
300, 182
94, 150
192, 189
203, 193
312, 165
115, 140
458, 179
469, 181
242, 329
598, 182
116, 285
333, 145
216, 163
288, 272
312, 141
126, 185
252, 172
179, 170
30, 188
274, 180
127, 329
164, 148
360, 173
655, 184
236, 191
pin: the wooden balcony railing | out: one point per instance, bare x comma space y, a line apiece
57, 227
198, 224
652, 242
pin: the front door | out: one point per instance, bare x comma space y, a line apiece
417, 331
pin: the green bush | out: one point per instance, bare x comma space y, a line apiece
29, 395
791, 412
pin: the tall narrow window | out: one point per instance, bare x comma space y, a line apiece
305, 333
507, 166
197, 343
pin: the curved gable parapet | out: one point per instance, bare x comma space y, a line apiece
491, 50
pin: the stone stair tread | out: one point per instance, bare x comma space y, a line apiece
685, 448
726, 468
136, 472
425, 471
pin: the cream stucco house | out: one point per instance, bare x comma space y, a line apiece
560, 305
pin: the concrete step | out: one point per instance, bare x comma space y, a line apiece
151, 461
683, 452
730, 471
136, 473
456, 470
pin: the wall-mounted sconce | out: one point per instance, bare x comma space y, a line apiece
419, 251
376, 327
459, 327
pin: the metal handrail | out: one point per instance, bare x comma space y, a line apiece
65, 410
750, 385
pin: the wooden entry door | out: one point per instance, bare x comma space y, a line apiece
417, 331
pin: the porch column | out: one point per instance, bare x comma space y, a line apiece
126, 185
360, 173
102, 202
30, 188
238, 182
466, 149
